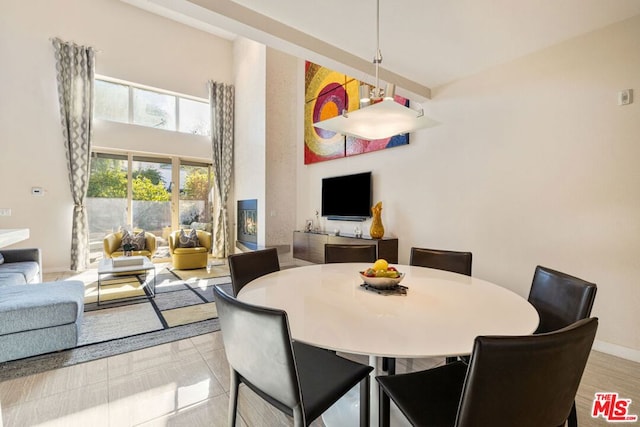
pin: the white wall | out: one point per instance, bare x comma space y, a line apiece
265, 140
534, 163
132, 45
249, 169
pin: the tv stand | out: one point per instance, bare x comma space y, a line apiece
309, 246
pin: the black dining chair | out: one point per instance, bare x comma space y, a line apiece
246, 266
524, 381
560, 300
454, 261
334, 253
298, 379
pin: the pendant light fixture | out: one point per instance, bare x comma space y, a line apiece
379, 116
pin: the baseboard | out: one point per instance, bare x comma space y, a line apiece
617, 350
50, 270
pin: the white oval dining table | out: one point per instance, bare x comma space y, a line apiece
440, 315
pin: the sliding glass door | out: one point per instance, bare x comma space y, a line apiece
139, 192
195, 189
151, 196
106, 198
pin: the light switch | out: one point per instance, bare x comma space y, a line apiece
625, 97
5, 212
37, 191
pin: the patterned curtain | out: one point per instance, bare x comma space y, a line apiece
221, 101
75, 66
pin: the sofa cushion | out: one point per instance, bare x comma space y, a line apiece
42, 305
29, 269
8, 279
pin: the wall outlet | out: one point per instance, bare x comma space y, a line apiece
5, 212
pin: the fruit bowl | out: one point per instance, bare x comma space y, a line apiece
381, 282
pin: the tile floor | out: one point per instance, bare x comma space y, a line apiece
185, 383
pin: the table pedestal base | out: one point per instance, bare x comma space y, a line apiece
346, 411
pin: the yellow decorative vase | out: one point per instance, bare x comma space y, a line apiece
377, 229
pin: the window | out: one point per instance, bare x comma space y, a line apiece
154, 109
195, 189
112, 101
194, 117
127, 190
130, 103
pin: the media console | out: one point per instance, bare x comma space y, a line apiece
310, 246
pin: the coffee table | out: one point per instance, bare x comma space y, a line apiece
106, 268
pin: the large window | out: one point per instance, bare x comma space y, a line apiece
127, 190
112, 101
195, 188
151, 194
128, 103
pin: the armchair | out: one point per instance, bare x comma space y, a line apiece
190, 258
113, 245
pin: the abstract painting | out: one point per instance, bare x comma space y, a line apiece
327, 94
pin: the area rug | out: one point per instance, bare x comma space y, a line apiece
130, 319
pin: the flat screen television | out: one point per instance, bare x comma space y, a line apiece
347, 197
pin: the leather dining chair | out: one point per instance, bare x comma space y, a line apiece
246, 266
335, 253
524, 381
560, 300
298, 379
456, 262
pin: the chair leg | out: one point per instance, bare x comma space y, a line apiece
389, 365
298, 417
365, 410
572, 421
384, 411
233, 398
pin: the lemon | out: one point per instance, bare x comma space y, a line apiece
380, 264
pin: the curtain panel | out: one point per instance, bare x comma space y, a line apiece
75, 67
221, 100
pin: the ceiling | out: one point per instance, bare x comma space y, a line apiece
430, 42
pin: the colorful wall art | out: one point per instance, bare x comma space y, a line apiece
327, 93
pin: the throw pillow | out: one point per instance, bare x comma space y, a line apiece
137, 241
188, 240
1, 258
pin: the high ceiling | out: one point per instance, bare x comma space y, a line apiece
431, 42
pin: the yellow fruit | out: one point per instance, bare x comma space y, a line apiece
381, 273
380, 264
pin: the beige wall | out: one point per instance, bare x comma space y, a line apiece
282, 111
132, 45
534, 163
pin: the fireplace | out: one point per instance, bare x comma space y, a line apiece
248, 223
